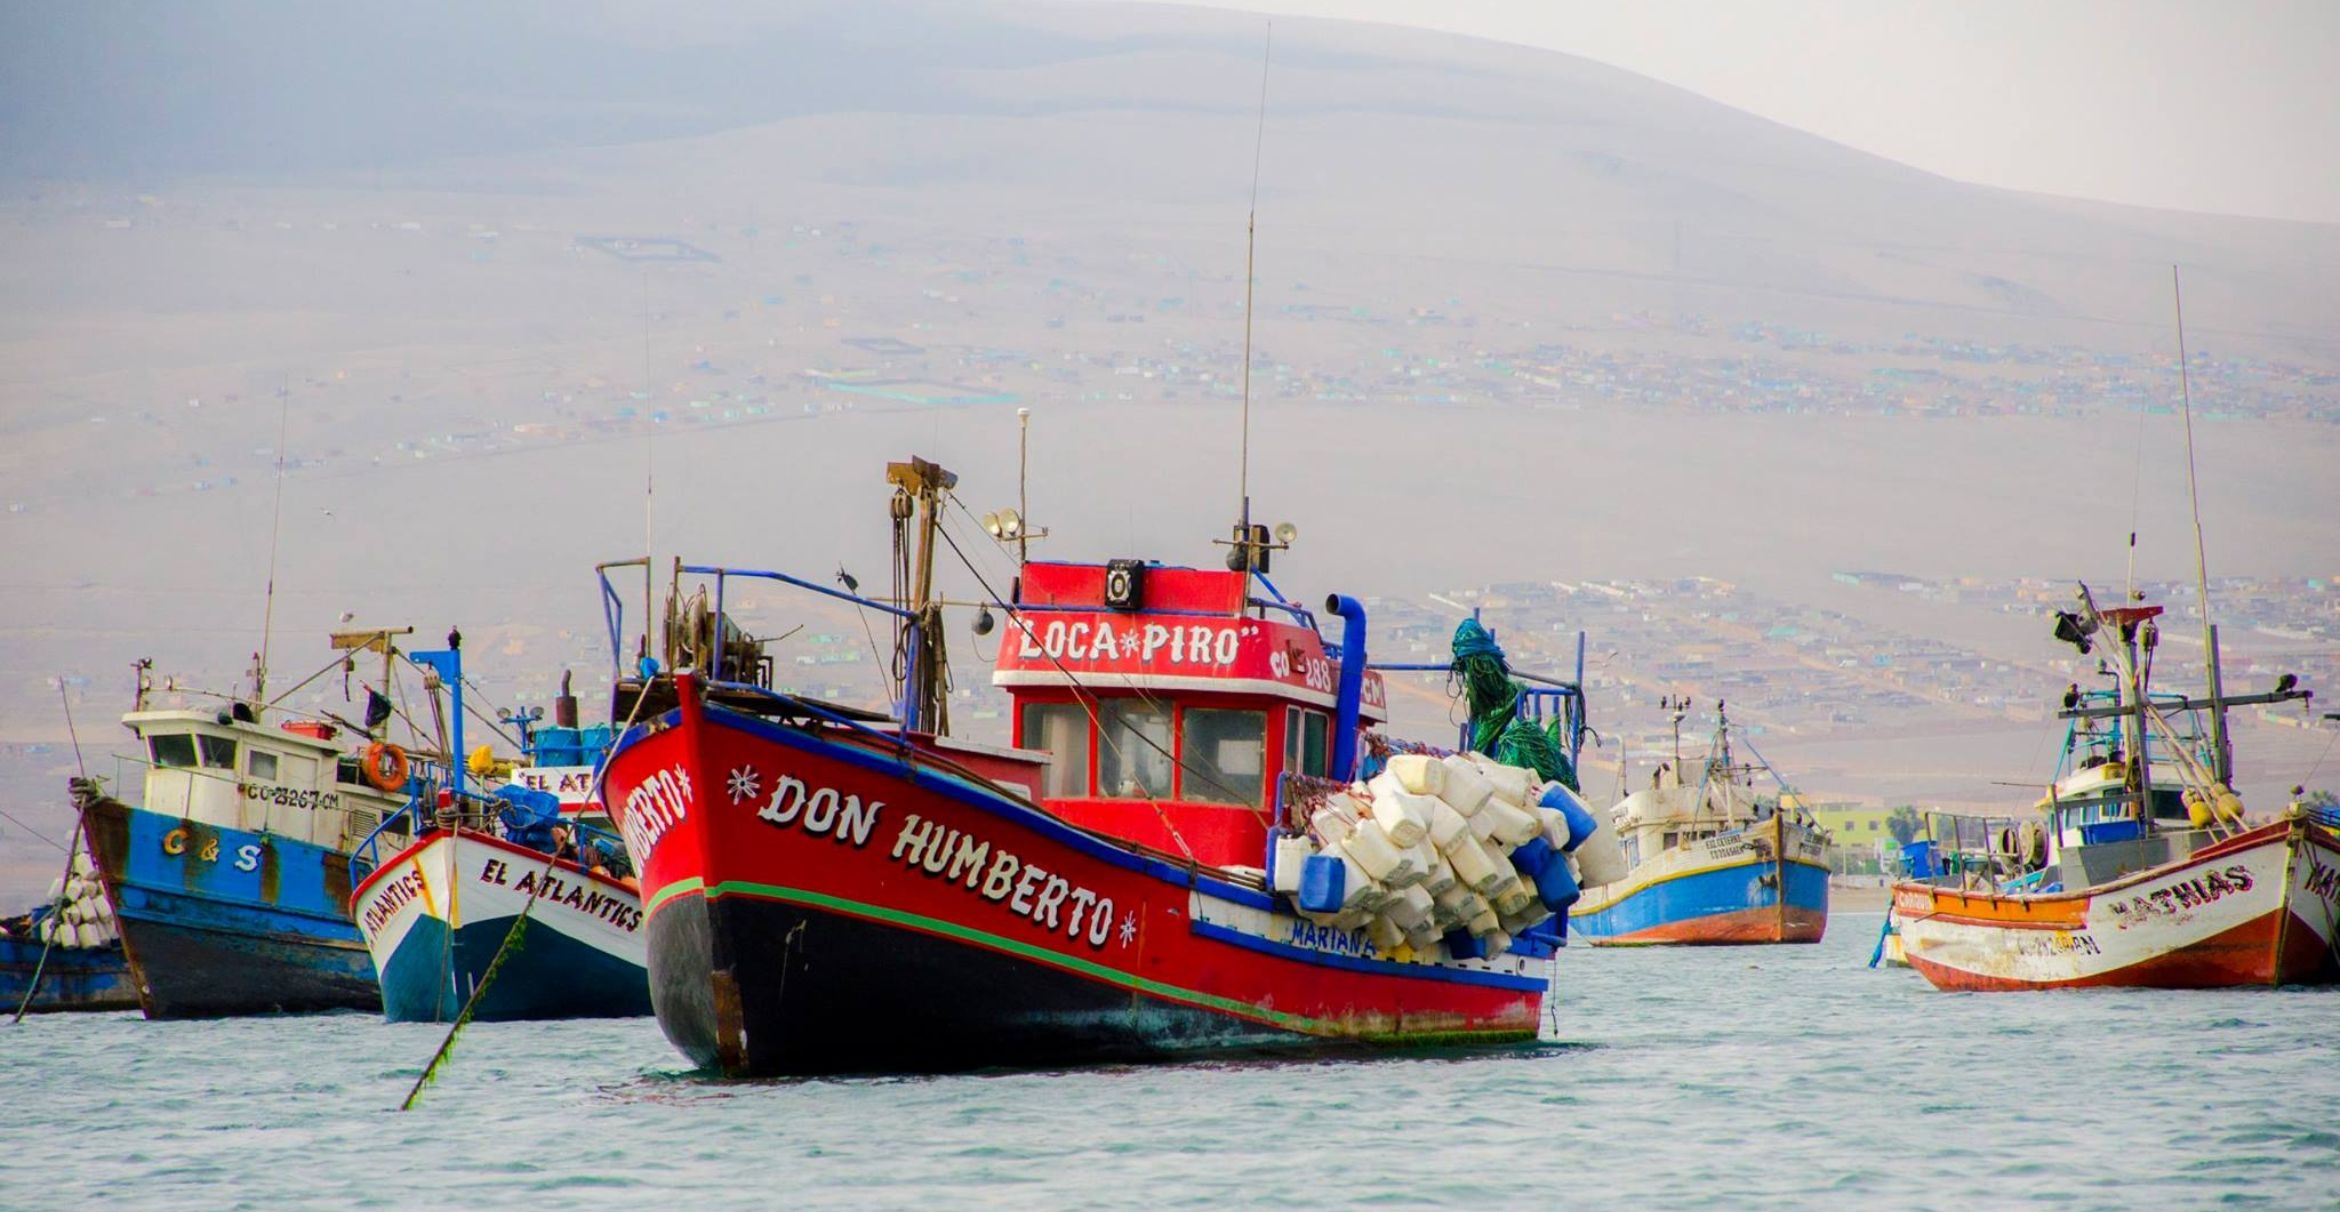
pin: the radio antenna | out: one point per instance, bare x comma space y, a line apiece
1250, 248
275, 531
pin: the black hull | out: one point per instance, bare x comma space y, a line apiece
758, 988
191, 972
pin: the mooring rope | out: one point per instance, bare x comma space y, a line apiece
512, 937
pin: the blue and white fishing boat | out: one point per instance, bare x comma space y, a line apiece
230, 881
1710, 861
519, 904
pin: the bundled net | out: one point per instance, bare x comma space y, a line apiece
1497, 728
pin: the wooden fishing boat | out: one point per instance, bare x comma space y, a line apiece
2140, 867
66, 954
230, 878
1142, 874
516, 903
1710, 861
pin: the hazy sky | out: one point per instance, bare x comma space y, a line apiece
2216, 105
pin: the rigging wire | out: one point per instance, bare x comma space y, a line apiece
1143, 694
38, 836
1087, 701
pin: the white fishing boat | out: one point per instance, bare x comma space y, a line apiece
1710, 860
2140, 867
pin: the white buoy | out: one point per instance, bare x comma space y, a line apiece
1512, 825
1465, 788
1555, 824
1511, 782
1373, 849
1291, 853
1416, 774
1402, 814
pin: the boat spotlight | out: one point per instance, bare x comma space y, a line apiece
1286, 532
2075, 630
983, 620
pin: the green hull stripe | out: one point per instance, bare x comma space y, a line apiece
1097, 971
682, 887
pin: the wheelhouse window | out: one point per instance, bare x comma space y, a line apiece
1225, 754
1063, 730
172, 751
218, 752
1133, 749
1306, 741
260, 764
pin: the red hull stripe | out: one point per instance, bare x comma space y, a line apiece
2239, 956
1738, 926
1071, 963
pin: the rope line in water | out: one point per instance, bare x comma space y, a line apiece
512, 937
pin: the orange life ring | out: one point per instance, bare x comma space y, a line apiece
385, 766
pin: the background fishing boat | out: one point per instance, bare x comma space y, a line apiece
1710, 860
2140, 866
66, 954
517, 904
231, 878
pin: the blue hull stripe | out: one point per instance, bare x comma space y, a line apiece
1374, 965
235, 921
1705, 894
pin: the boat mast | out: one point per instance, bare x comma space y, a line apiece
919, 487
2221, 758
275, 531
2140, 766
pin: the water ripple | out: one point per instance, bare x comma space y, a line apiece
1794, 1078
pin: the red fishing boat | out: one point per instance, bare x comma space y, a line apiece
832, 890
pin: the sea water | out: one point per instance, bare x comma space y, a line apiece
1726, 1077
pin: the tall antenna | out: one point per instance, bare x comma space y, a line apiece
649, 414
275, 530
1023, 486
2220, 761
1250, 246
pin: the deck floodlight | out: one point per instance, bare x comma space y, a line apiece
2075, 630
1286, 532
